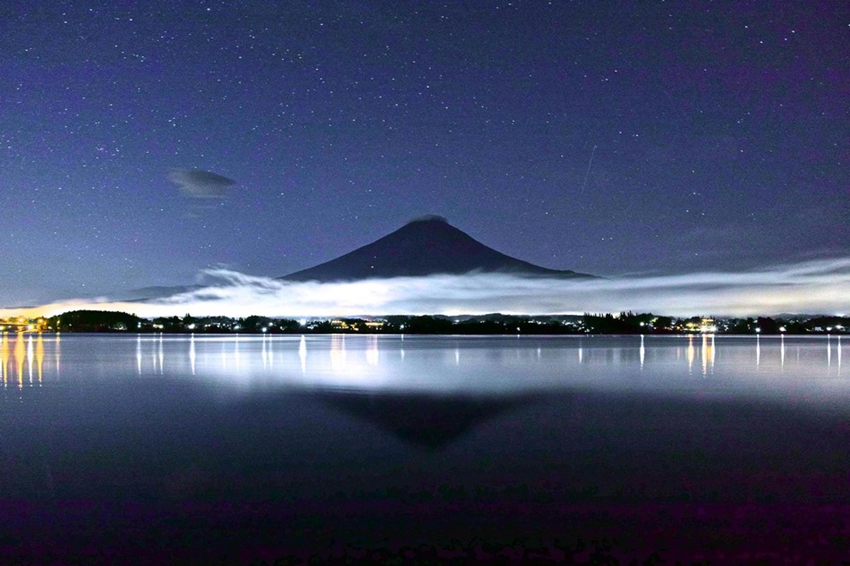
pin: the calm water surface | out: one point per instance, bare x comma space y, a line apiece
250, 448
430, 364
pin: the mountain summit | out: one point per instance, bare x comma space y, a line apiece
425, 246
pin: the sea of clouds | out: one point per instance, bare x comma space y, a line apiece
816, 286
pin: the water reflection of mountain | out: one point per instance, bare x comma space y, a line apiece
426, 420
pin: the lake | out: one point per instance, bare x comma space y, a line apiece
255, 448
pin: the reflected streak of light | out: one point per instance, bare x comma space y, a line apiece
192, 352
713, 352
4, 359
30, 356
457, 356
20, 354
372, 353
161, 356
271, 351
139, 354
338, 362
782, 351
39, 357
828, 351
401, 353
302, 354
838, 349
642, 352
758, 350
580, 355
57, 353
707, 354
691, 354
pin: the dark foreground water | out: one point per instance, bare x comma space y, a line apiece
118, 449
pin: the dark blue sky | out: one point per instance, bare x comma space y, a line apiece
720, 134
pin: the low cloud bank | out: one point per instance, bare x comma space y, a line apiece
818, 286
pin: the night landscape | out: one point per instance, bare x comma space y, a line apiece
424, 282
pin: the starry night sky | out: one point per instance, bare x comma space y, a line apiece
143, 142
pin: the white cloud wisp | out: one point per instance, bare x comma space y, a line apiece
817, 286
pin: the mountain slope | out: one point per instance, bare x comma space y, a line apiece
426, 246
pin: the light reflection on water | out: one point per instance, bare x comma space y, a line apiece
325, 423
474, 364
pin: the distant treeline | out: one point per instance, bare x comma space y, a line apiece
622, 323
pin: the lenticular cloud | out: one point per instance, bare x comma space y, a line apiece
818, 286
200, 184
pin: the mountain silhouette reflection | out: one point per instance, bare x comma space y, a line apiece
426, 420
